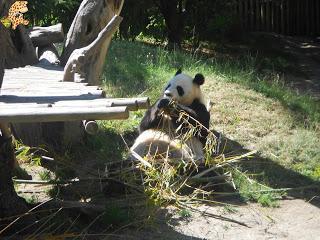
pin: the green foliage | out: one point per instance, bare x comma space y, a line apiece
208, 20
251, 190
116, 216
185, 213
32, 199
49, 12
45, 175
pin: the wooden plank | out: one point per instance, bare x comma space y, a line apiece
313, 19
251, 10
307, 17
282, 12
51, 93
263, 16
287, 24
62, 114
268, 16
300, 20
131, 103
45, 99
318, 16
272, 16
245, 14
241, 18
258, 15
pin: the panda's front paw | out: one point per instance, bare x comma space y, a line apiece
163, 103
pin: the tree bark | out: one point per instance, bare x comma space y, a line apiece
10, 203
91, 18
18, 45
44, 36
89, 61
174, 15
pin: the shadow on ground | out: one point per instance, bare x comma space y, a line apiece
275, 175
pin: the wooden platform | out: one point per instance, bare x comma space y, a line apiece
37, 94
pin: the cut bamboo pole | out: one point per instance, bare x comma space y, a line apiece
90, 126
62, 114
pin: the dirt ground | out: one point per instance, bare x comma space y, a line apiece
295, 218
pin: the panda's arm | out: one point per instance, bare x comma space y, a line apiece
198, 111
151, 118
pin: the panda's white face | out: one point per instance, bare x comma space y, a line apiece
181, 88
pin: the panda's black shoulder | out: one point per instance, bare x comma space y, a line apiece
198, 106
201, 111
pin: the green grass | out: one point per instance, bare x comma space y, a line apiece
45, 175
253, 108
134, 69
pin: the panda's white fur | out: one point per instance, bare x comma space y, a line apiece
191, 90
162, 142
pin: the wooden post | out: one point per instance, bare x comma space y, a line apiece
268, 16
263, 16
240, 3
258, 15
317, 8
245, 15
313, 21
288, 22
282, 7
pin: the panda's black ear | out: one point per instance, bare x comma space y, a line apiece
178, 72
199, 79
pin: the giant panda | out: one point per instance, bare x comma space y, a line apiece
161, 128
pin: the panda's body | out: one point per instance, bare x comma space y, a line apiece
160, 132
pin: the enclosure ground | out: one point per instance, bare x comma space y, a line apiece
288, 151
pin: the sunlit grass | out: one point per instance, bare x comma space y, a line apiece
134, 69
249, 106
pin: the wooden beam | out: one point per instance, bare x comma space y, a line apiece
43, 36
133, 104
62, 114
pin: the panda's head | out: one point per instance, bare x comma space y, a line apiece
184, 89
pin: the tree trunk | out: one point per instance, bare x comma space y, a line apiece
89, 61
10, 203
91, 18
18, 45
173, 13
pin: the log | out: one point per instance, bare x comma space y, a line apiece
43, 36
30, 115
132, 104
91, 127
48, 55
91, 18
89, 61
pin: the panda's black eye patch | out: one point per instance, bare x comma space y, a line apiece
168, 86
180, 90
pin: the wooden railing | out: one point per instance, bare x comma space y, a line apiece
288, 17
